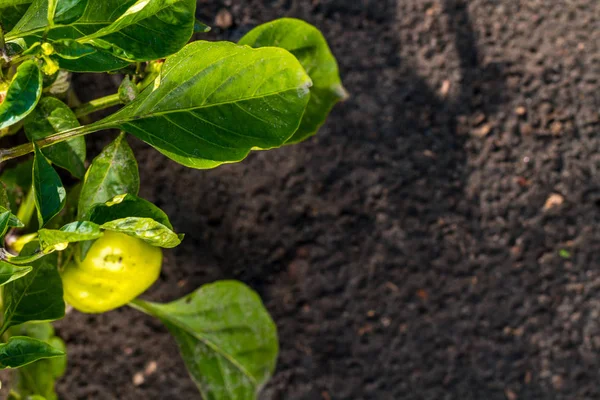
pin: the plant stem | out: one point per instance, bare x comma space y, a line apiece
3, 54
27, 208
140, 305
98, 105
19, 151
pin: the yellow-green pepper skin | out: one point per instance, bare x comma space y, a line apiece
117, 269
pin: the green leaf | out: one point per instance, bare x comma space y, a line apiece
49, 192
17, 181
57, 240
226, 337
127, 205
11, 11
201, 27
71, 49
13, 221
148, 30
113, 172
4, 217
73, 19
146, 229
97, 60
38, 378
23, 350
217, 101
128, 90
37, 296
120, 31
4, 198
23, 94
310, 47
9, 272
52, 116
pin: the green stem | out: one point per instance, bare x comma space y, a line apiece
27, 208
98, 105
24, 149
142, 306
3, 54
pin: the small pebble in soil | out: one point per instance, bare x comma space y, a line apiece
554, 200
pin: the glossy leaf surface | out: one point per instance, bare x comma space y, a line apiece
114, 171
9, 272
22, 350
23, 94
38, 378
57, 240
310, 47
53, 116
116, 32
128, 205
37, 296
50, 195
11, 11
226, 337
217, 101
146, 229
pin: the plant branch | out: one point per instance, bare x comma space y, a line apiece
24, 149
98, 105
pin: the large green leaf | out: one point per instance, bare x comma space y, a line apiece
217, 101
148, 30
50, 195
37, 296
226, 337
81, 18
310, 47
57, 240
128, 205
11, 11
119, 31
23, 350
39, 377
113, 172
23, 94
13, 221
53, 116
146, 229
9, 272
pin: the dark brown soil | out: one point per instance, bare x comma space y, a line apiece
406, 252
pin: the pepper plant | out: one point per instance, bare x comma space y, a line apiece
76, 232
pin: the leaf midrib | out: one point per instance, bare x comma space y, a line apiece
207, 342
111, 120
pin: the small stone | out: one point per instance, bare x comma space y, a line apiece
482, 132
556, 128
521, 111
385, 321
445, 89
224, 19
510, 395
554, 200
371, 313
138, 379
151, 368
